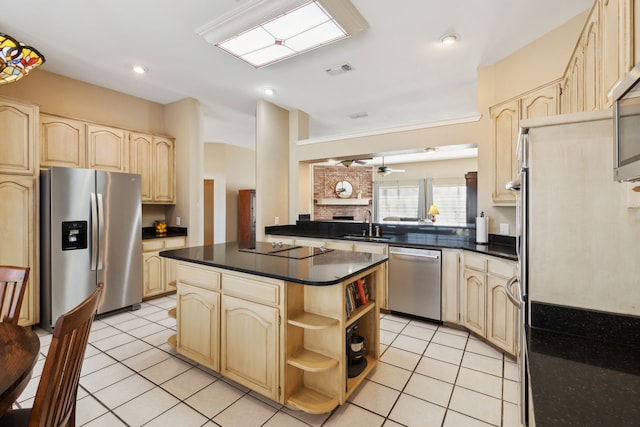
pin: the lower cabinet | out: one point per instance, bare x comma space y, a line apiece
198, 311
250, 333
487, 311
451, 285
159, 273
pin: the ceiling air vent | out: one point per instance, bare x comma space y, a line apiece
338, 69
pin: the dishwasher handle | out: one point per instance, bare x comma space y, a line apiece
413, 255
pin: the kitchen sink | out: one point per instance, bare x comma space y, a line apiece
365, 238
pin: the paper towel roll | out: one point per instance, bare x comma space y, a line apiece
482, 230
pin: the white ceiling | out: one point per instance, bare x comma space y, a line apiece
401, 74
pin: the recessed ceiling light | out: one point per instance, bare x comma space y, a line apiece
449, 39
269, 91
139, 69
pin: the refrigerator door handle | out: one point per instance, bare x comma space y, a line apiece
94, 232
101, 238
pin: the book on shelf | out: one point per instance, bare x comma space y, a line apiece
357, 295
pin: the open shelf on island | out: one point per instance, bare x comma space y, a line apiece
360, 311
172, 341
352, 383
312, 321
311, 361
312, 401
172, 313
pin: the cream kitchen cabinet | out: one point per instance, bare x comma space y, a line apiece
250, 314
158, 273
18, 122
19, 231
107, 148
505, 126
451, 285
19, 199
153, 157
616, 47
198, 314
63, 142
488, 312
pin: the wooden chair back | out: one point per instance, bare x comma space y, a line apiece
13, 283
55, 401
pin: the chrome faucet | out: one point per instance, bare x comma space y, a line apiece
370, 222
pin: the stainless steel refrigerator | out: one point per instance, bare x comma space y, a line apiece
90, 233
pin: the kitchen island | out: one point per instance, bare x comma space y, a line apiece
276, 318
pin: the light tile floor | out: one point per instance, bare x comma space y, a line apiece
428, 375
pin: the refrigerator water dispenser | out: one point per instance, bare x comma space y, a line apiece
74, 235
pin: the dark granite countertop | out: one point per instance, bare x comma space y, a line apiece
150, 232
579, 381
426, 236
322, 269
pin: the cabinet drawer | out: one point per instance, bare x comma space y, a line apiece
477, 262
201, 277
252, 290
174, 243
502, 268
152, 245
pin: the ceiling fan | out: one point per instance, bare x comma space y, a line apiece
386, 170
349, 162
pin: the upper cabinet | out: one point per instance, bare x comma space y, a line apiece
153, 157
63, 142
18, 123
505, 125
107, 148
602, 57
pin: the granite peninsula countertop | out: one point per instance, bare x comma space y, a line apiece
172, 231
583, 382
313, 267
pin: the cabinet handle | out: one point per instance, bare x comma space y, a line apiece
510, 295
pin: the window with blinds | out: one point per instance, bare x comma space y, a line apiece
398, 200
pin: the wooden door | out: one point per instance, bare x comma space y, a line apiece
164, 171
152, 274
141, 161
208, 207
18, 124
501, 315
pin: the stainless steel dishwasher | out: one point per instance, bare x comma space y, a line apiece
415, 282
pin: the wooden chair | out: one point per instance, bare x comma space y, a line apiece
55, 401
13, 283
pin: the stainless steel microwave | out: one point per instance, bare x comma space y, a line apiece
627, 127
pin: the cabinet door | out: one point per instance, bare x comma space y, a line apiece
141, 161
475, 293
153, 274
572, 92
18, 123
250, 345
450, 285
197, 319
540, 103
501, 315
107, 148
617, 45
591, 61
19, 237
62, 142
505, 126
164, 171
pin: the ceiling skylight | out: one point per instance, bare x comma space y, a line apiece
299, 30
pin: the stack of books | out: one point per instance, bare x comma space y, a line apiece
357, 295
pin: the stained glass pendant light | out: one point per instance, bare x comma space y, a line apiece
16, 59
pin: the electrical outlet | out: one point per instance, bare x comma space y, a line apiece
277, 220
504, 229
177, 220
